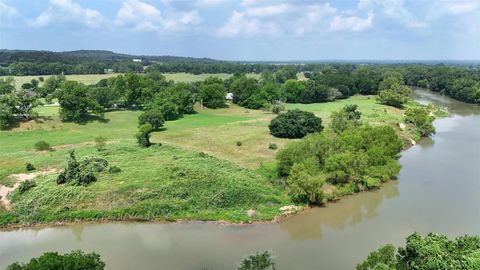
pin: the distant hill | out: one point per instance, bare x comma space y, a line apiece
8, 57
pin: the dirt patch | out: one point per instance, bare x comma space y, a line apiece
76, 145
4, 190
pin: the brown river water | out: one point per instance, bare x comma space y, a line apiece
438, 190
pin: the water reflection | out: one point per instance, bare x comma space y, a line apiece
77, 231
451, 105
340, 215
426, 143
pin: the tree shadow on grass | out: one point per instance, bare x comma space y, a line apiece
92, 118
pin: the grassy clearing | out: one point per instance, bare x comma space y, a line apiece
161, 182
254, 134
157, 183
94, 78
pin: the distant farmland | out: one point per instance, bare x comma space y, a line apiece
94, 78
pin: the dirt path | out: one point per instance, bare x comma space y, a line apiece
4, 190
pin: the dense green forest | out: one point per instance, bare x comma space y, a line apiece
459, 81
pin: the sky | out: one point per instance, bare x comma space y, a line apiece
249, 29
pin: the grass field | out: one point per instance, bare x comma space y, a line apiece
94, 78
254, 133
199, 150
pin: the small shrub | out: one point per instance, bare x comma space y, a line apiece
81, 173
42, 146
29, 167
26, 185
272, 146
239, 143
100, 143
143, 135
257, 261
278, 107
114, 169
95, 164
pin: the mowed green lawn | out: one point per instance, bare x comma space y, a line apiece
94, 78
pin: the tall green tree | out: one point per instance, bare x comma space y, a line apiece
7, 85
293, 90
26, 101
212, 95
75, 103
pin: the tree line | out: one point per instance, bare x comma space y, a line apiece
327, 81
153, 93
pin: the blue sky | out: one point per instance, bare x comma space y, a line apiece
248, 29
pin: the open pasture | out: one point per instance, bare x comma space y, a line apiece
94, 78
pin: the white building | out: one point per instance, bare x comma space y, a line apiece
229, 96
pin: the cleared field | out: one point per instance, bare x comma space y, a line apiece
254, 134
228, 179
215, 132
94, 78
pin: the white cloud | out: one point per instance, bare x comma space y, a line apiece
277, 18
7, 11
239, 23
462, 7
317, 12
141, 16
270, 10
351, 23
190, 17
138, 14
67, 10
393, 9
209, 3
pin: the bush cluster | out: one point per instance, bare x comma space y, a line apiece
81, 173
75, 260
395, 96
295, 124
431, 252
354, 157
345, 118
257, 261
421, 120
26, 185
